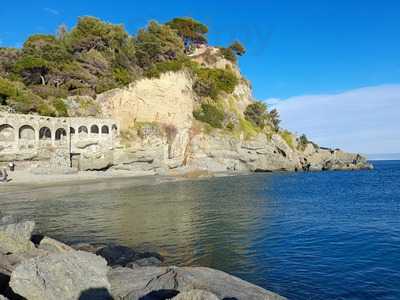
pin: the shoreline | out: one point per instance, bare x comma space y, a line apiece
26, 179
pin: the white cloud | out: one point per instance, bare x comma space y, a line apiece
365, 120
52, 11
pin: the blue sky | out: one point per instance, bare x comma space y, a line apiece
295, 48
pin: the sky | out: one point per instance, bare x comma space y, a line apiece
294, 48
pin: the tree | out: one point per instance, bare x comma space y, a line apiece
256, 113
46, 47
92, 33
238, 48
157, 43
191, 31
32, 69
274, 118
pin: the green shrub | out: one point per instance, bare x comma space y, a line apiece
46, 91
303, 142
7, 89
171, 66
211, 82
210, 114
105, 84
257, 114
228, 54
288, 137
122, 76
60, 108
237, 48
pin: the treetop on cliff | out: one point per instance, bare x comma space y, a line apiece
190, 30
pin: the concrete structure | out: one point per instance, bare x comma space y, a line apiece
32, 137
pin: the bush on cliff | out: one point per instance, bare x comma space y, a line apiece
211, 82
210, 114
288, 137
234, 50
257, 114
303, 142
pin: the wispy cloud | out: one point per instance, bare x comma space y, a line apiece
52, 11
363, 120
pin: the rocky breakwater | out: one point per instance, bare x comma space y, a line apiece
38, 267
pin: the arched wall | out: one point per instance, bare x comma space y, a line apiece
22, 133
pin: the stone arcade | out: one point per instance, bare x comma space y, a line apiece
57, 142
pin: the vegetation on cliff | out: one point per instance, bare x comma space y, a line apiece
51, 71
97, 56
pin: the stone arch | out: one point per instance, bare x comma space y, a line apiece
105, 129
45, 133
7, 133
26, 132
114, 129
82, 129
60, 134
94, 129
72, 130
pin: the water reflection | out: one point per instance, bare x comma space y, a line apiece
207, 222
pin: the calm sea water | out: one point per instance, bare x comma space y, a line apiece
331, 235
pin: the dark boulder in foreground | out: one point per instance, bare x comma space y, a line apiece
117, 255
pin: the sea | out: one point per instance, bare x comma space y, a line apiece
322, 235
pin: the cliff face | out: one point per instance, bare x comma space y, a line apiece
160, 135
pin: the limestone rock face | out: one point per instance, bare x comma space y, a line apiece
133, 284
221, 153
67, 276
167, 100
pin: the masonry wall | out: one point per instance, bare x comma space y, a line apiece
40, 138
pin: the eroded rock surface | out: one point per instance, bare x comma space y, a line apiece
62, 276
133, 284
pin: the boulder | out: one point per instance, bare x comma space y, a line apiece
53, 246
196, 295
69, 275
134, 284
117, 255
15, 235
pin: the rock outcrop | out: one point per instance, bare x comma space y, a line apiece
53, 270
134, 284
62, 276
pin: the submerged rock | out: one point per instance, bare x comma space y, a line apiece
117, 255
70, 275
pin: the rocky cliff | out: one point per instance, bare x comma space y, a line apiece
161, 136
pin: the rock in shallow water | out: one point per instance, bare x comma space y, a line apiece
117, 255
71, 275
